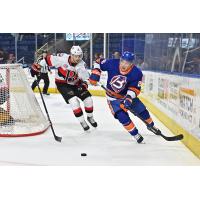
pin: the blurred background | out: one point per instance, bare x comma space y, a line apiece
170, 52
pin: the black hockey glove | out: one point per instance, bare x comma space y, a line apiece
83, 85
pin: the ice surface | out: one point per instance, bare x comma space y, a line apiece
109, 144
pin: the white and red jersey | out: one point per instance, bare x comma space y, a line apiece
66, 72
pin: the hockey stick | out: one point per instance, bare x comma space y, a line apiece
153, 130
57, 138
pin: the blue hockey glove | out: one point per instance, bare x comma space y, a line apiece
128, 102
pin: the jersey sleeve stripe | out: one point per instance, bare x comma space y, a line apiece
48, 60
114, 94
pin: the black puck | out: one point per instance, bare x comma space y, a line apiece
83, 154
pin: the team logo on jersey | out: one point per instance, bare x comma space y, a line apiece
118, 83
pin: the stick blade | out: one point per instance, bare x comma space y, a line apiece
173, 138
58, 139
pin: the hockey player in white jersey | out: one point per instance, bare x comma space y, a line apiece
71, 80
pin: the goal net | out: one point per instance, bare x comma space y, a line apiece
20, 113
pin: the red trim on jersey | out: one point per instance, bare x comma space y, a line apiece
137, 92
88, 108
48, 60
77, 111
60, 81
62, 71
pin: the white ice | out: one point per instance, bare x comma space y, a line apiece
109, 144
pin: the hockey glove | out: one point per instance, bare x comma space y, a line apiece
95, 76
83, 86
35, 69
128, 102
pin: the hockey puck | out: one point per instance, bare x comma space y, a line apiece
83, 154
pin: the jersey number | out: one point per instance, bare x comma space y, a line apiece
71, 76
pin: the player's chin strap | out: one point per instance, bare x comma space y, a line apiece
152, 129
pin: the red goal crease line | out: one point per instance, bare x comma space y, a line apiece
24, 134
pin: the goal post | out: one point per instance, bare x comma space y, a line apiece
20, 113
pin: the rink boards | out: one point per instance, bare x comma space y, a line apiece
175, 101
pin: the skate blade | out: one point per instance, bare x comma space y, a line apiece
143, 142
86, 132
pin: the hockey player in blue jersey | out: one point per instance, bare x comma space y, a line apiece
122, 90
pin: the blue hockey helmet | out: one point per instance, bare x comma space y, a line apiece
128, 56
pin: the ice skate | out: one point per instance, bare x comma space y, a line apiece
138, 138
85, 126
153, 129
92, 121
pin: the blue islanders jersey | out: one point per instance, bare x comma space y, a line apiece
120, 82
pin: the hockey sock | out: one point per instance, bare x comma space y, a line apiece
125, 120
75, 105
146, 117
88, 104
130, 127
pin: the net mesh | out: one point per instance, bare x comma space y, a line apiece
20, 113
